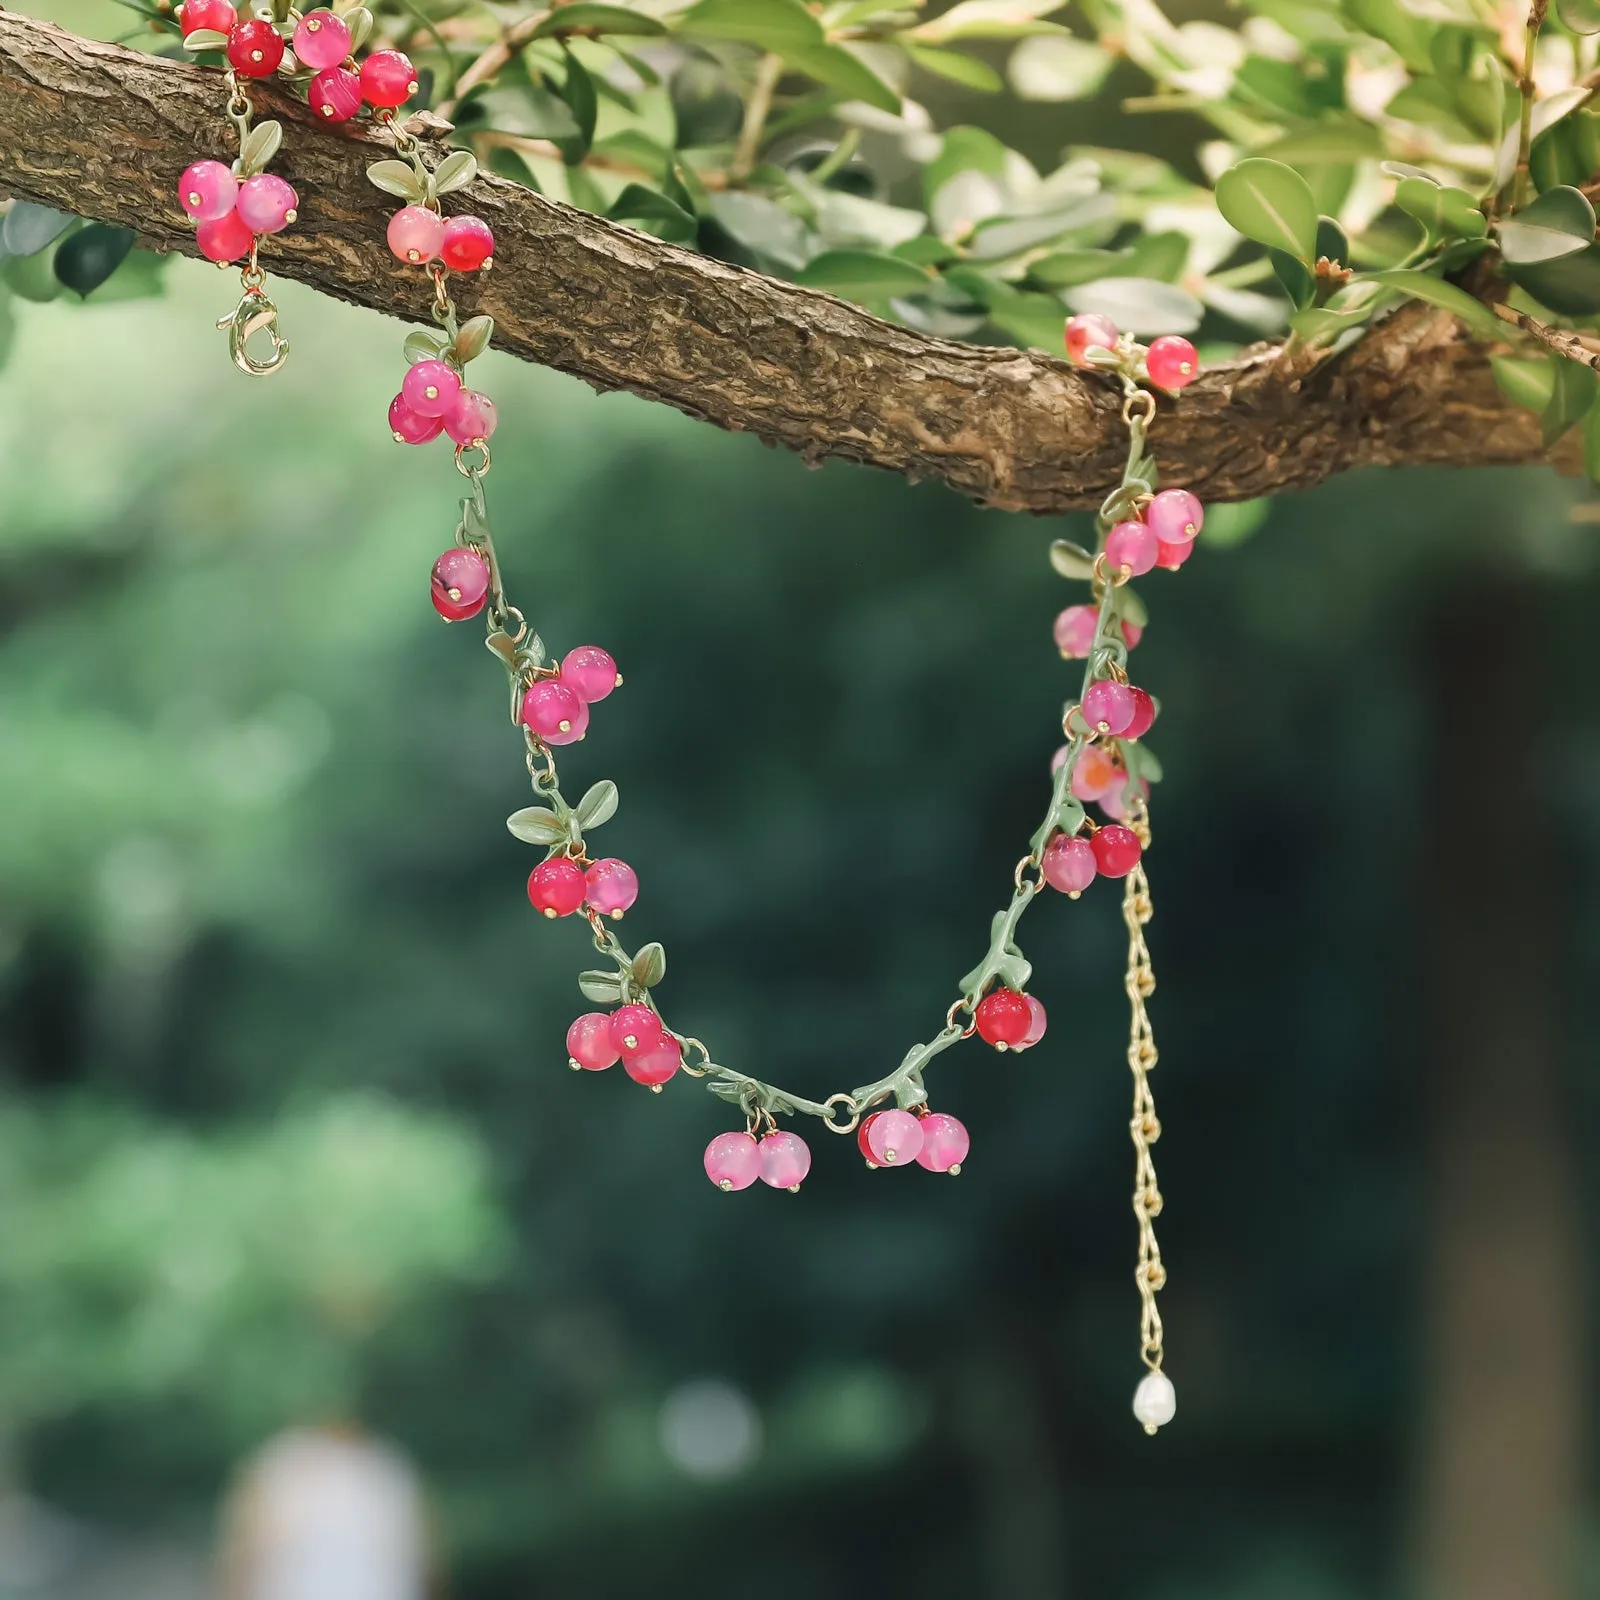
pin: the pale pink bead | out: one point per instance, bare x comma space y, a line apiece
1108, 707
589, 1042
335, 95
1133, 632
224, 238
1115, 803
415, 234
472, 419
785, 1160
1089, 331
1075, 631
944, 1143
1094, 774
207, 190
733, 1161
554, 712
267, 204
1172, 362
613, 886
654, 1066
321, 40
1059, 759
1068, 864
1037, 1021
407, 427
430, 388
590, 672
1175, 516
1132, 545
894, 1139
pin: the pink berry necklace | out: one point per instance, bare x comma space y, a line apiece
1103, 761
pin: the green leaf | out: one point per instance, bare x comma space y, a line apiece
360, 21
1295, 276
32, 277
863, 275
398, 178
84, 261
968, 71
1403, 31
473, 339
456, 171
650, 966
1525, 382
1569, 285
1424, 286
205, 39
597, 19
8, 324
1140, 305
1272, 204
833, 65
1591, 444
1559, 223
1071, 560
1332, 241
260, 146
1057, 68
579, 93
1571, 396
650, 211
762, 227
532, 111
598, 805
537, 825
1322, 322
1441, 210
604, 988
1232, 523
422, 346
990, 19
776, 25
28, 228
998, 237
1582, 16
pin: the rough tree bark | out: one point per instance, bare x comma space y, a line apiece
104, 131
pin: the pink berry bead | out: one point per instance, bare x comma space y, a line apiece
1133, 632
590, 673
1090, 331
1059, 759
387, 78
468, 244
1115, 803
1094, 774
1132, 545
1144, 717
335, 94
1116, 851
409, 428
555, 887
255, 48
430, 388
1075, 630
1172, 362
1173, 556
733, 1161
613, 886
1068, 864
634, 1030
654, 1066
472, 419
217, 16
1003, 1018
1037, 1022
460, 584
589, 1042
224, 238
1175, 516
207, 190
266, 203
415, 234
944, 1143
554, 712
785, 1160
1108, 707
893, 1139
321, 40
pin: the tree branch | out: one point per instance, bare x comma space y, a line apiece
104, 131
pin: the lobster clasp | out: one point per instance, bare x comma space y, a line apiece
254, 314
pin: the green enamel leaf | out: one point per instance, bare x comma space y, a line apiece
597, 19
1272, 204
398, 178
598, 805
1424, 286
537, 825
1527, 383
473, 339
422, 346
604, 988
456, 171
863, 275
1559, 223
650, 966
205, 39
260, 146
1071, 560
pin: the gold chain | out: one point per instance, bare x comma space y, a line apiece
1144, 1126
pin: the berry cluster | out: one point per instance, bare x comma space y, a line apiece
556, 707
932, 1139
433, 400
1170, 363
562, 885
633, 1035
231, 210
736, 1160
420, 234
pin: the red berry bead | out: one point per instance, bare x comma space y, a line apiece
1094, 774
387, 78
1003, 1018
590, 673
1133, 632
1090, 331
1116, 851
1173, 556
635, 1030
410, 428
415, 234
321, 40
733, 1161
654, 1066
216, 15
1068, 864
862, 1135
460, 584
1132, 545
556, 887
1108, 707
1144, 716
944, 1143
589, 1043
430, 388
554, 712
255, 48
1172, 362
1037, 1022
335, 94
267, 204
208, 190
892, 1138
1175, 515
468, 245
785, 1161
613, 886
224, 238
472, 419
